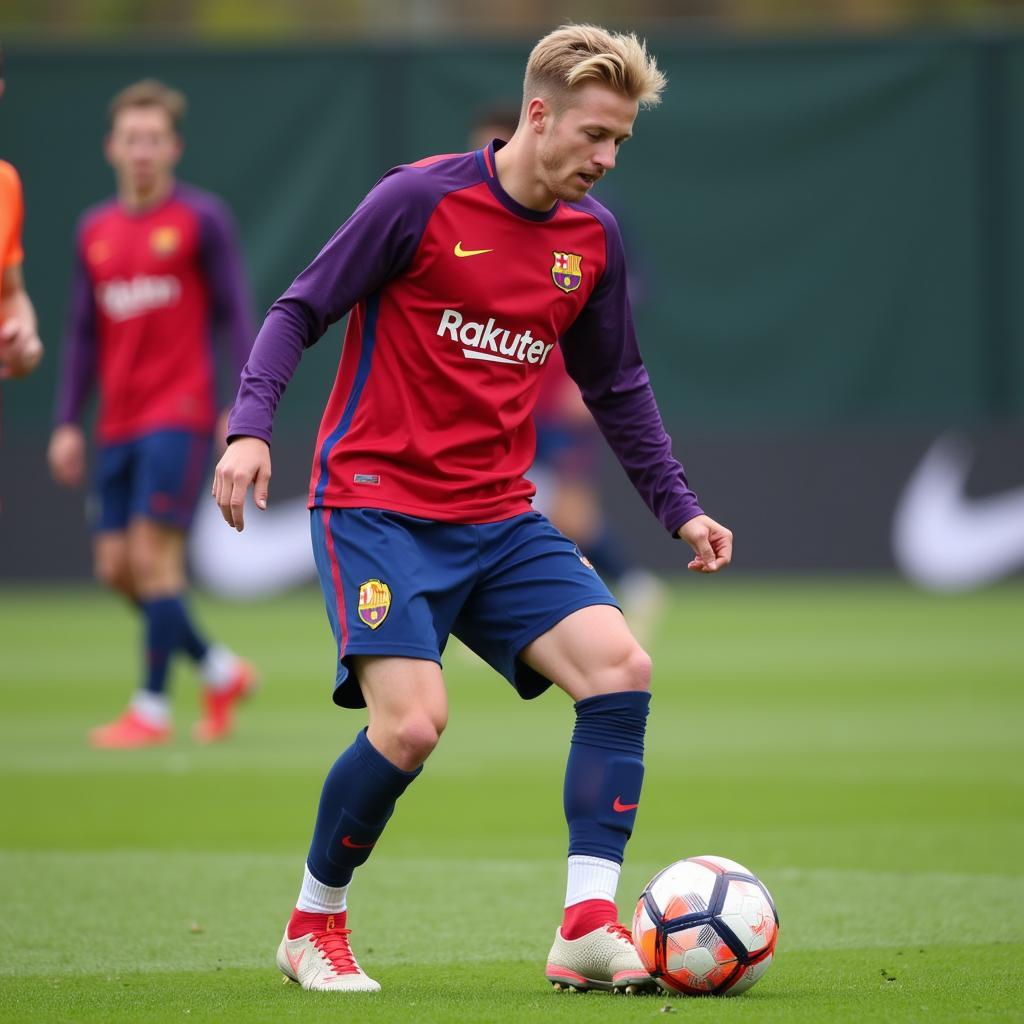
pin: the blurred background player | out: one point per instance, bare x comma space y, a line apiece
157, 274
20, 347
566, 469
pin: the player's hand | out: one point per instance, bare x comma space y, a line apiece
246, 463
711, 542
20, 349
66, 455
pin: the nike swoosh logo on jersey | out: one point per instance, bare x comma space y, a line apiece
945, 540
620, 806
459, 251
347, 841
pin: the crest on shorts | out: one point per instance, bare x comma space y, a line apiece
374, 602
163, 241
565, 271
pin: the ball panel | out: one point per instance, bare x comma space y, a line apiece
688, 883
645, 937
748, 976
748, 914
677, 945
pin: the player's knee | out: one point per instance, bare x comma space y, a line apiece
141, 565
414, 738
633, 671
111, 569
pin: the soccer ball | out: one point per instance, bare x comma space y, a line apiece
705, 926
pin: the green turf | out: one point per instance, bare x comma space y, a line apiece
857, 744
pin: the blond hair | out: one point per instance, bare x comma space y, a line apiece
574, 55
149, 93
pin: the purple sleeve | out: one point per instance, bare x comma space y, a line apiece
78, 360
230, 306
375, 244
602, 356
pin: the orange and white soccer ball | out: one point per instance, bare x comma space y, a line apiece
706, 926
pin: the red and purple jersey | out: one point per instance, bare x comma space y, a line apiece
459, 296
150, 289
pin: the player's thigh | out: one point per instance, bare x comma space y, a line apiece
532, 579
156, 556
589, 652
407, 704
170, 468
392, 585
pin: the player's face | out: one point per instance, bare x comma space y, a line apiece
579, 145
143, 147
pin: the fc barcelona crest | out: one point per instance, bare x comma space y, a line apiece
565, 271
374, 602
164, 240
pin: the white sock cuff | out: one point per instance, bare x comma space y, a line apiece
317, 898
218, 666
154, 708
591, 878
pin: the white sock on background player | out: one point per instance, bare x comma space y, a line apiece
153, 708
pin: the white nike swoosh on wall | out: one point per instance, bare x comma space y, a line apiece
273, 552
944, 540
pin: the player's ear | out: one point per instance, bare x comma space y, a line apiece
538, 114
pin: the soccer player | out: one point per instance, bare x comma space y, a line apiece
463, 272
20, 347
157, 274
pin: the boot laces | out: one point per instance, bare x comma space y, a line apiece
335, 948
620, 931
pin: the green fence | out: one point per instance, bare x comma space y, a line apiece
826, 233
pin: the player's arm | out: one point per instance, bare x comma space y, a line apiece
20, 347
76, 377
375, 244
602, 356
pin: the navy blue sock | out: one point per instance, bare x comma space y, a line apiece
168, 627
193, 643
358, 798
162, 630
605, 773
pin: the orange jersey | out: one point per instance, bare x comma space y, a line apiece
12, 213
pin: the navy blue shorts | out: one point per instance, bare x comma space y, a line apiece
155, 476
399, 585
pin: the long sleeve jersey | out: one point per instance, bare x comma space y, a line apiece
150, 291
458, 296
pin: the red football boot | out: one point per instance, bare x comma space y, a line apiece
129, 732
219, 704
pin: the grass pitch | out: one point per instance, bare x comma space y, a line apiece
857, 744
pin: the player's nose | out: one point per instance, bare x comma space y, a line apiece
605, 155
